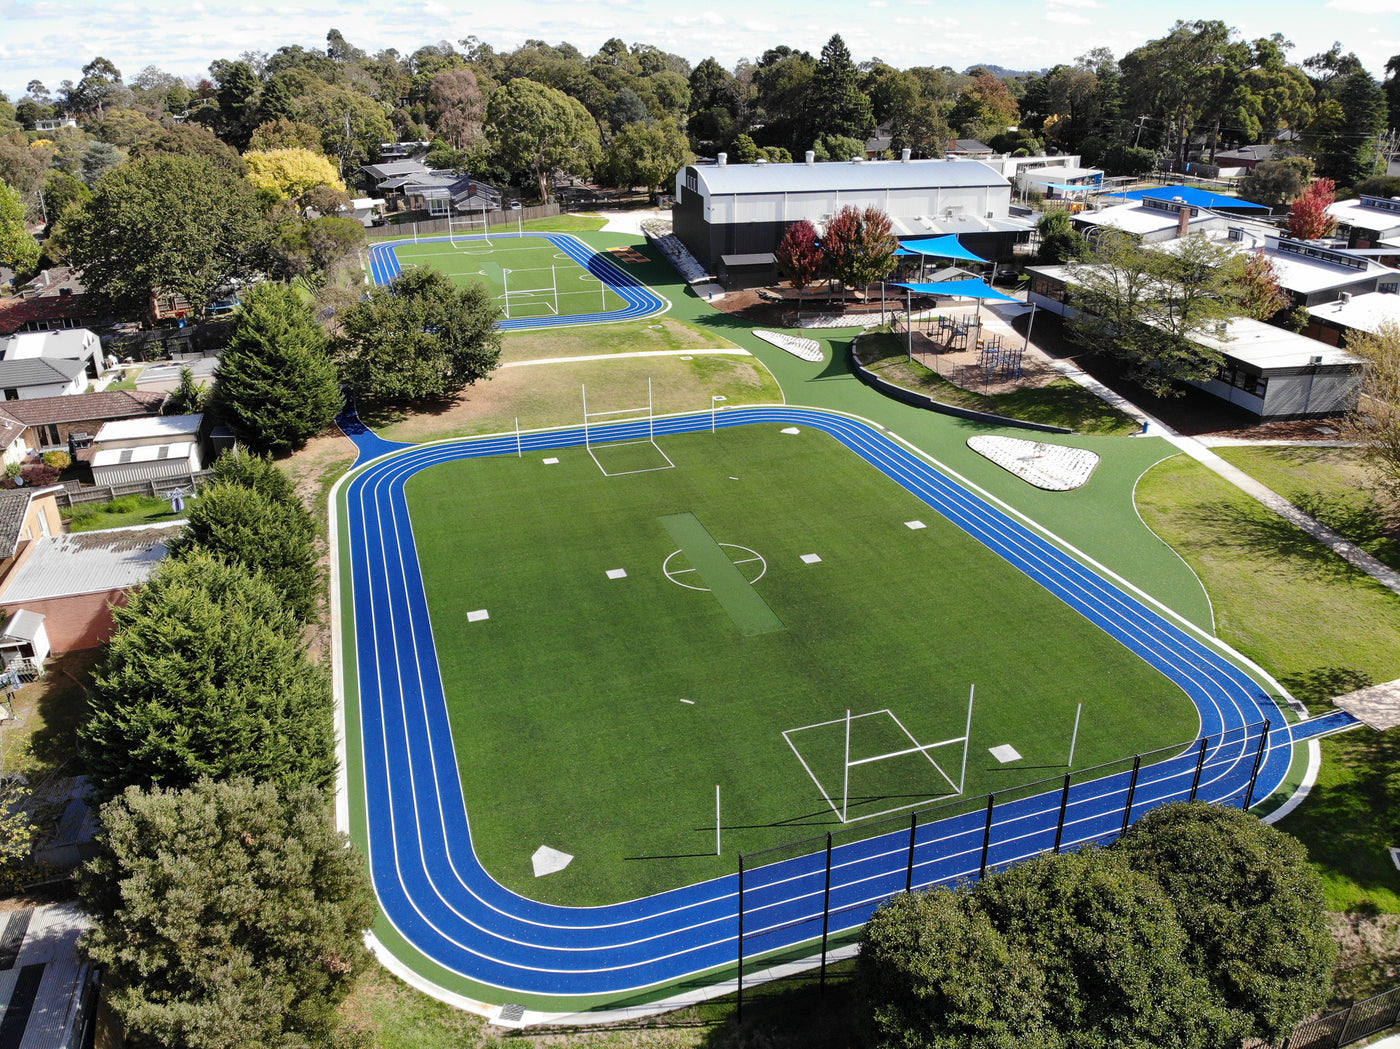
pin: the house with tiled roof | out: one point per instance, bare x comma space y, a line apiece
20, 380
49, 313
47, 423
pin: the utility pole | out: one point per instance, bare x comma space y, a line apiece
1140, 121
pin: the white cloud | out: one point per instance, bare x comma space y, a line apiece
877, 3
1074, 3
1067, 18
713, 18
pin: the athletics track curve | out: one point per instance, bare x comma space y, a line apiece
444, 903
641, 301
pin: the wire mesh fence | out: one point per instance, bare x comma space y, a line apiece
798, 900
1359, 1020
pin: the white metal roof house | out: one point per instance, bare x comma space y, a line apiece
1367, 221
1269, 372
744, 209
148, 449
75, 344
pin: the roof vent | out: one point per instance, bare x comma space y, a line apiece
1314, 360
857, 160
811, 156
761, 160
1345, 296
722, 160
904, 155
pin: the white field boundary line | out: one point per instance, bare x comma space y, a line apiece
624, 356
1101, 815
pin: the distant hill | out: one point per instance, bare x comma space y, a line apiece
1002, 72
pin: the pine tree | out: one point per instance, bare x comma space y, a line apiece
205, 676
274, 537
276, 386
835, 103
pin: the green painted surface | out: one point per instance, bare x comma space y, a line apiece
721, 575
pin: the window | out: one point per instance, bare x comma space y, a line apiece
11, 395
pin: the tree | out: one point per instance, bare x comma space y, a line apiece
860, 245
205, 676
457, 106
290, 172
420, 337
276, 386
1261, 296
312, 252
828, 148
1377, 422
60, 190
933, 973
800, 256
1308, 218
648, 154
273, 537
244, 469
238, 103
166, 223
1147, 306
1059, 241
537, 130
984, 108
1254, 911
834, 103
18, 250
1275, 182
188, 397
98, 159
280, 133
228, 914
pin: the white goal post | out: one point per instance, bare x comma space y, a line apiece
636, 416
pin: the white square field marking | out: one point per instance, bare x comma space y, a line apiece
617, 573
550, 462
1004, 753
478, 615
810, 559
914, 525
790, 429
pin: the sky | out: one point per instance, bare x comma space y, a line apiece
50, 40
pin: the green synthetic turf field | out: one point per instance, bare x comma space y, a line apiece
532, 268
568, 704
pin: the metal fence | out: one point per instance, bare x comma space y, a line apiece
820, 891
1359, 1020
431, 227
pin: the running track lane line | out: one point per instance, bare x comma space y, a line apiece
440, 899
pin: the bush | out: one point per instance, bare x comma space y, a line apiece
127, 504
82, 515
39, 474
60, 461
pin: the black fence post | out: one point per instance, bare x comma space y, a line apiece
826, 909
909, 870
1064, 805
1132, 790
987, 836
1200, 764
1258, 762
739, 1007
1346, 1023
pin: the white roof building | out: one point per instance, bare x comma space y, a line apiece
148, 449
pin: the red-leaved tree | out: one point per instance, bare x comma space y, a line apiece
800, 256
1308, 218
860, 245
1261, 295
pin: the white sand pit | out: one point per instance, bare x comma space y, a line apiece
806, 349
1053, 467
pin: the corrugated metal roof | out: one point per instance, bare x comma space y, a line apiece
49, 949
89, 562
162, 426
866, 175
24, 625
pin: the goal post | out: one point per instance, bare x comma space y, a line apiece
548, 297
635, 416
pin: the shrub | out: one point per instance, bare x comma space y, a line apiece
39, 474
125, 505
60, 461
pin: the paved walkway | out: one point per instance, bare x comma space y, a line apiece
1198, 450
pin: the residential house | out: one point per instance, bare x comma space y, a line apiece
75, 580
1269, 372
376, 177
58, 423
967, 147
49, 312
24, 640
726, 210
21, 380
445, 194
26, 515
55, 124
77, 344
158, 448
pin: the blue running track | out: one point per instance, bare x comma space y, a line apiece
443, 902
640, 300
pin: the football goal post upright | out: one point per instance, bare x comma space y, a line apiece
967, 737
636, 418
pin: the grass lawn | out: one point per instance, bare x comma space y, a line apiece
542, 396
1332, 484
126, 512
566, 704
592, 340
1322, 628
542, 281
1062, 403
